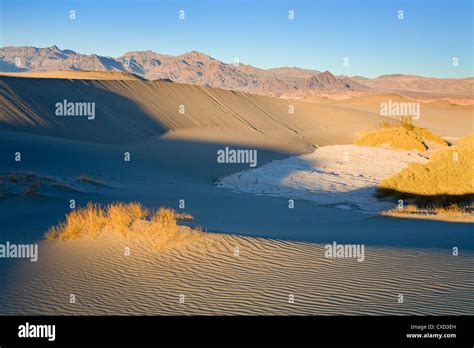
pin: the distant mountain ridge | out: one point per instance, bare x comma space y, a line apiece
199, 68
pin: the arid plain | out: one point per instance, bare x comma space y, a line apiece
258, 233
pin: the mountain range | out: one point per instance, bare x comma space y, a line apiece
198, 68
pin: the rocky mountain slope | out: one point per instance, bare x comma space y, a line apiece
201, 69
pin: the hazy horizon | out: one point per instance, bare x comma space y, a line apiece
319, 37
244, 63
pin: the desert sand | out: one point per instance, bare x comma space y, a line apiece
211, 280
159, 107
173, 158
433, 113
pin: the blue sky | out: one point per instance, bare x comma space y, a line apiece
320, 36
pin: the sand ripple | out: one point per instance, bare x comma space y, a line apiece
215, 281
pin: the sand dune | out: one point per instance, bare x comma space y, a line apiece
132, 110
439, 116
174, 157
373, 101
216, 282
319, 100
129, 110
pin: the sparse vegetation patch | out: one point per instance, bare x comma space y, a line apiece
443, 186
130, 220
400, 134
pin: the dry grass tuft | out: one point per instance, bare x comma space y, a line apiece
25, 183
448, 174
405, 122
30, 185
166, 218
443, 187
129, 220
183, 216
450, 212
88, 221
163, 231
121, 216
32, 191
400, 134
89, 180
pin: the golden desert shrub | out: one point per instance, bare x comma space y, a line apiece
401, 134
129, 220
120, 216
448, 175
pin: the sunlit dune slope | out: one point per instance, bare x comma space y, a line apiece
131, 110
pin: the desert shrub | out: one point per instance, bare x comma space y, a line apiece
89, 180
448, 173
120, 216
32, 191
407, 123
452, 211
129, 220
444, 186
88, 221
400, 134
